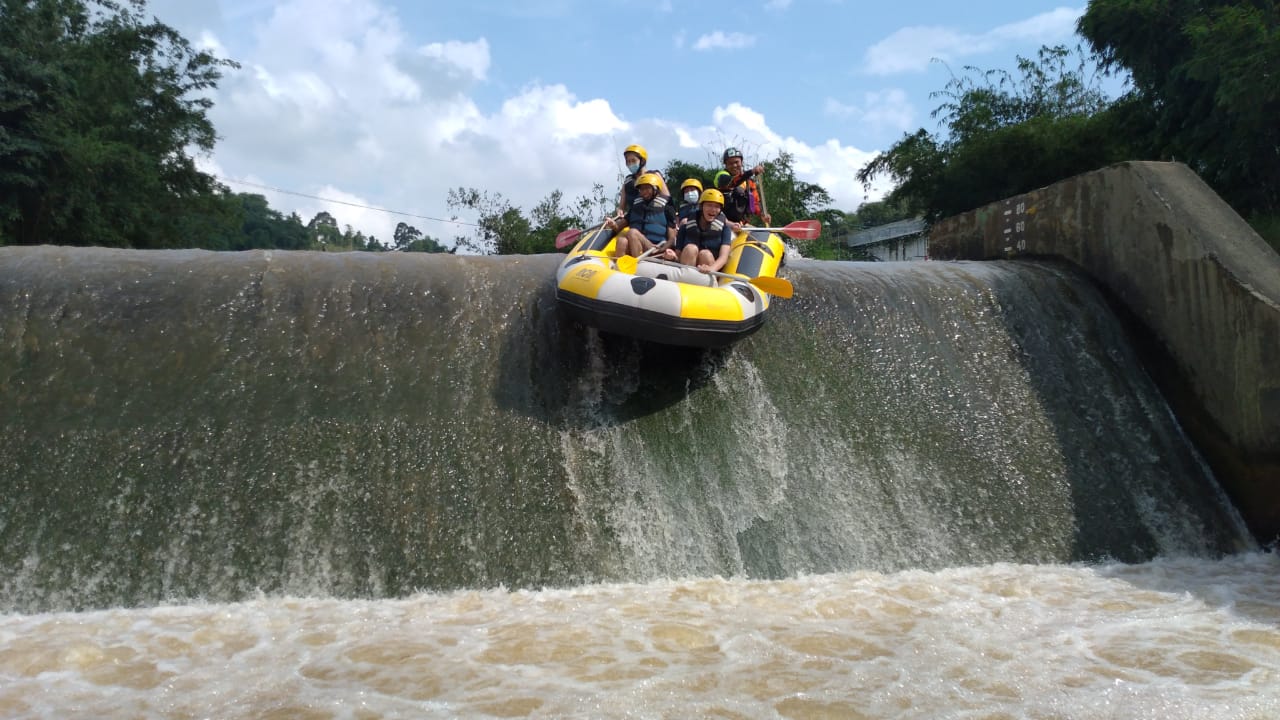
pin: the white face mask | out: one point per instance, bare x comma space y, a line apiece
691, 197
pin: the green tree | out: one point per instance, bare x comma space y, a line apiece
677, 171
881, 212
500, 228
1205, 73
787, 197
427, 245
591, 209
404, 236
211, 222
1006, 135
266, 229
99, 108
548, 219
323, 231
408, 238
352, 239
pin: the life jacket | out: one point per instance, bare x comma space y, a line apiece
650, 218
629, 191
688, 213
708, 238
741, 198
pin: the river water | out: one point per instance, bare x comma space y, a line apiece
1165, 640
355, 486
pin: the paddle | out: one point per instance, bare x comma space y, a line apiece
798, 230
764, 206
628, 264
776, 286
570, 236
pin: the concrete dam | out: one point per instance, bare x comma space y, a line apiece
188, 424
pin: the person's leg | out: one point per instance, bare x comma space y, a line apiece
706, 258
642, 246
627, 241
621, 243
689, 254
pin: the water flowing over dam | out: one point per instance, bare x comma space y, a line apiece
185, 424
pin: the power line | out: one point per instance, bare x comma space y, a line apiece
342, 202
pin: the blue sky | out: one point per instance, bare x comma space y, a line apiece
389, 103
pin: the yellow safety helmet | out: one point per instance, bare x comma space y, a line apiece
649, 179
691, 182
644, 156
712, 195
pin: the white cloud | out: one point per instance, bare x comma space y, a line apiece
831, 164
911, 49
471, 57
1052, 26
209, 42
724, 41
888, 110
341, 104
835, 108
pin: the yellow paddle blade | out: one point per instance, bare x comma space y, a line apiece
776, 286
628, 264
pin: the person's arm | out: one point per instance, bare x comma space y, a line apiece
670, 252
733, 226
721, 260
662, 184
617, 221
745, 175
672, 222
726, 245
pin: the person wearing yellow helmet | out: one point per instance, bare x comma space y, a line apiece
636, 158
651, 220
690, 190
706, 241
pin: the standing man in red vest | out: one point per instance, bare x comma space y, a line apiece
741, 192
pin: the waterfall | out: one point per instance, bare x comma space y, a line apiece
188, 424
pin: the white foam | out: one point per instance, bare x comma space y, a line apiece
1169, 639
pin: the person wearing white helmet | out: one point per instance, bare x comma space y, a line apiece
742, 193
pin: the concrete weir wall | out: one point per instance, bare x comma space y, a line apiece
1202, 286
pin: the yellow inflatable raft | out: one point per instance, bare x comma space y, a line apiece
665, 302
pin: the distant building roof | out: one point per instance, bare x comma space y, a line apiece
885, 233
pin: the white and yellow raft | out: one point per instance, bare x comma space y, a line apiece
667, 303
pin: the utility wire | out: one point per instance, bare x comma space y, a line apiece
342, 202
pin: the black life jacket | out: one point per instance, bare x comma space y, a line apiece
707, 238
650, 218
